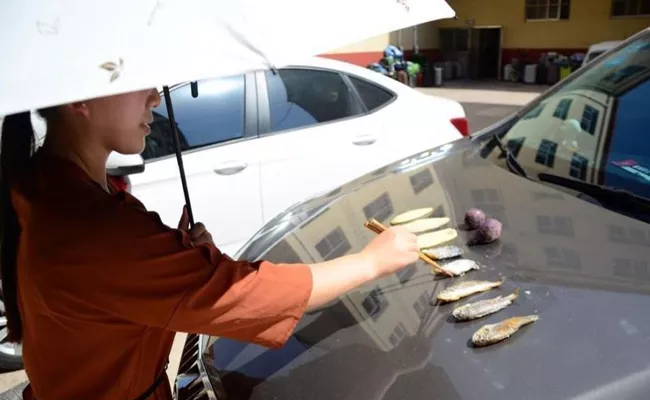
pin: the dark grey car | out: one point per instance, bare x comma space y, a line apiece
570, 183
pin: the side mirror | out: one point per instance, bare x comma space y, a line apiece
121, 164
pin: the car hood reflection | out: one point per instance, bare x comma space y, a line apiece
581, 268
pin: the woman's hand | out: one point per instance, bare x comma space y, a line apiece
392, 250
386, 253
199, 234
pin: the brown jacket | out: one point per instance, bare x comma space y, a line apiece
104, 285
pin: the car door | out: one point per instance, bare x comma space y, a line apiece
312, 132
218, 130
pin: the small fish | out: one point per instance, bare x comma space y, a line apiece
493, 333
459, 267
443, 252
482, 308
466, 288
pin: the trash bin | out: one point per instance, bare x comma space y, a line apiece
412, 81
438, 76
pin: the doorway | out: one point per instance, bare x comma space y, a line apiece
485, 52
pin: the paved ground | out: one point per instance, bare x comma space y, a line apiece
487, 102
484, 103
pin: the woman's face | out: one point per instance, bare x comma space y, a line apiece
122, 121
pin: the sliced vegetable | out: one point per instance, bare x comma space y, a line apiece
436, 238
426, 224
411, 215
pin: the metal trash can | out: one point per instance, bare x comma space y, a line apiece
438, 76
413, 79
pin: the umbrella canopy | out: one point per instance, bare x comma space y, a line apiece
60, 51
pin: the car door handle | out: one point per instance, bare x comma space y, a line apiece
231, 169
364, 140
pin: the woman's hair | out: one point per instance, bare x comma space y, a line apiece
17, 144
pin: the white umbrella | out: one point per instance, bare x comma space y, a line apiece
60, 51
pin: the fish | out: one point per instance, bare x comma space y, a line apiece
482, 308
443, 252
493, 333
459, 267
466, 288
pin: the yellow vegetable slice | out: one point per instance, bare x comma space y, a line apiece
436, 238
426, 224
412, 215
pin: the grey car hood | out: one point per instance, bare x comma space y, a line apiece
581, 268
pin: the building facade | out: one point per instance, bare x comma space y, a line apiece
497, 31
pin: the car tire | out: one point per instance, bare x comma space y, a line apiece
11, 354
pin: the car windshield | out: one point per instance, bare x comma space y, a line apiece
592, 130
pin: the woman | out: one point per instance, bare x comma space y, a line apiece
95, 286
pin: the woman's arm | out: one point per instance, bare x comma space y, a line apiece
178, 280
387, 253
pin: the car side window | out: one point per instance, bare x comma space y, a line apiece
215, 116
301, 98
372, 95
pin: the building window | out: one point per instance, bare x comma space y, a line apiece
546, 153
421, 180
375, 304
563, 258
579, 167
629, 8
334, 245
422, 305
514, 145
535, 112
381, 208
557, 225
631, 236
562, 109
439, 212
589, 120
632, 269
548, 9
407, 273
398, 334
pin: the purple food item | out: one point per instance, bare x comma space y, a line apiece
487, 233
474, 218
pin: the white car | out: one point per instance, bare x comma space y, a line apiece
255, 144
599, 48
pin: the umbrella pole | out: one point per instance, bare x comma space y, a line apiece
177, 150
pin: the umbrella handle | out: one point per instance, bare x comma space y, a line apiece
179, 154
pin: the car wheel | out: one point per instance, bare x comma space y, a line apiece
11, 354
